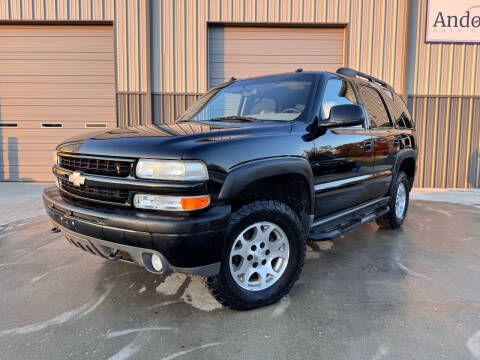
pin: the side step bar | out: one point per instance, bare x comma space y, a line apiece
337, 224
323, 236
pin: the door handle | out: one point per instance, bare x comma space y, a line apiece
367, 144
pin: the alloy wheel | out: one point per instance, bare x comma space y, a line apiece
400, 200
259, 256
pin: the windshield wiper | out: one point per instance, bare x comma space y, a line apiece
234, 118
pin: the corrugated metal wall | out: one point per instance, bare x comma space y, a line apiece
56, 10
376, 38
448, 129
444, 84
168, 106
444, 95
132, 42
133, 108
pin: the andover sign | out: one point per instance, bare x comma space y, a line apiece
455, 21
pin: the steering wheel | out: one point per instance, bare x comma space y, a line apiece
291, 110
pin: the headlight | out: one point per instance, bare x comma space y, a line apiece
171, 170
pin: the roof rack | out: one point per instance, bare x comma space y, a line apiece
354, 73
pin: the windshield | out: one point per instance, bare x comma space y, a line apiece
284, 98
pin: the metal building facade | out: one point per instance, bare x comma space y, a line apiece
444, 97
161, 61
179, 39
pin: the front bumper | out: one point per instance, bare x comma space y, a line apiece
186, 243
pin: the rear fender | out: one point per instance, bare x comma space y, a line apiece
401, 156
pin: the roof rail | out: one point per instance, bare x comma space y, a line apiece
354, 73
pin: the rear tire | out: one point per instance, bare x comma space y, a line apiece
398, 204
263, 256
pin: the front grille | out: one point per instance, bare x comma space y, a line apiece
95, 192
115, 168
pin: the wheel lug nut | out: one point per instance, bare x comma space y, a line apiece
262, 245
267, 252
255, 264
264, 262
249, 257
254, 248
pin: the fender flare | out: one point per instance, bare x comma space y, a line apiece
400, 157
246, 173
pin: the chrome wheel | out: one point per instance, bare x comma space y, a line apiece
259, 256
400, 200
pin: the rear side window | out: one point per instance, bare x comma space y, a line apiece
401, 116
337, 92
377, 113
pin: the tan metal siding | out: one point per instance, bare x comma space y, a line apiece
179, 38
251, 51
170, 106
443, 69
56, 9
51, 74
132, 107
448, 131
382, 55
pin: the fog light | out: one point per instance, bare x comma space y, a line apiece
157, 263
171, 203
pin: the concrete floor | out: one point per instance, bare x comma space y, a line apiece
412, 293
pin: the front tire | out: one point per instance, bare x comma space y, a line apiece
398, 204
263, 256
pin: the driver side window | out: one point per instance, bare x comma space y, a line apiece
337, 92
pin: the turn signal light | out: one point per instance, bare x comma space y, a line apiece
171, 203
195, 203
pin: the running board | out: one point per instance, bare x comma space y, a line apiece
337, 224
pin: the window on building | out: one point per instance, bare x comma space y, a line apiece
377, 113
337, 92
400, 114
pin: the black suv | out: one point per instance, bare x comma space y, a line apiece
236, 186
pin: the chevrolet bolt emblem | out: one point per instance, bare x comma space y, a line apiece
76, 178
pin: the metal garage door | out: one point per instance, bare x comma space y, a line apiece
251, 51
55, 82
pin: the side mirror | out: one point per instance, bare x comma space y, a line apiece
344, 115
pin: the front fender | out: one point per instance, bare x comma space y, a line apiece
246, 173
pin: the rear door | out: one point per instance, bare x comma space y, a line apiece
385, 141
342, 164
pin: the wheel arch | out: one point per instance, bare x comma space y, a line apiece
260, 171
406, 161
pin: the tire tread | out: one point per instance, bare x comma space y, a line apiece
220, 289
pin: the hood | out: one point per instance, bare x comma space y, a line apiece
167, 141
